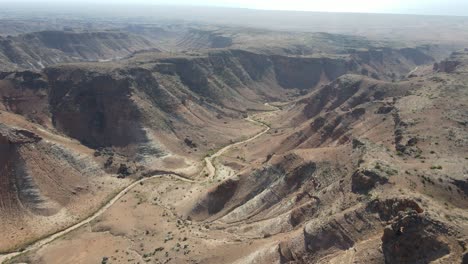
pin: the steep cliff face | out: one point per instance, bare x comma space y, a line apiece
40, 49
391, 64
85, 100
233, 78
88, 106
453, 64
25, 93
307, 73
245, 77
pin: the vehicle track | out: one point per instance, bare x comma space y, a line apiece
209, 166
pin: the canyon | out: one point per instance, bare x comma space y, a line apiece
203, 143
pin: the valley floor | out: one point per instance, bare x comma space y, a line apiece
148, 195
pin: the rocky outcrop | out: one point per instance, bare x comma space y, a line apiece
260, 195
456, 63
25, 93
344, 93
447, 66
17, 136
413, 238
390, 208
365, 180
462, 185
215, 200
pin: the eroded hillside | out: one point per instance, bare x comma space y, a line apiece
237, 156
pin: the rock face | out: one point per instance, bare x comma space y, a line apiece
44, 177
25, 93
85, 101
11, 142
412, 238
11, 136
88, 106
215, 200
365, 180
447, 66
342, 233
40, 49
390, 208
24, 162
304, 73
389, 63
218, 74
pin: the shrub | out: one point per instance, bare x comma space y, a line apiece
377, 166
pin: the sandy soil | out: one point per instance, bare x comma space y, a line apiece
213, 174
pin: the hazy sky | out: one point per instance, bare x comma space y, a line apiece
435, 7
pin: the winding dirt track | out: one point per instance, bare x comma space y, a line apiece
209, 166
210, 160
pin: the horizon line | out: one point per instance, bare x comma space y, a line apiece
136, 5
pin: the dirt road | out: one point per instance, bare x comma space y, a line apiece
209, 166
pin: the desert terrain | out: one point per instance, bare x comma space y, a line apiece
156, 139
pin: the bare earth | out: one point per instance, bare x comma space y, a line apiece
275, 138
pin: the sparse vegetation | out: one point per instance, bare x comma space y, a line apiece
329, 171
